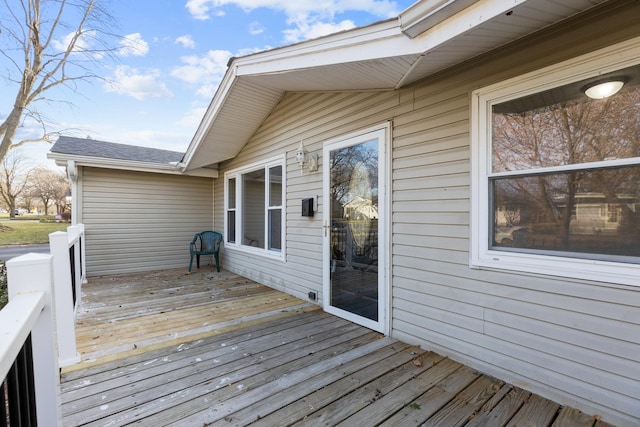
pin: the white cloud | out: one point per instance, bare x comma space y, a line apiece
207, 91
310, 18
312, 30
193, 117
255, 28
186, 41
205, 71
82, 43
133, 45
198, 9
129, 81
249, 51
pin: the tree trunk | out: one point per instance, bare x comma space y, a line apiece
11, 126
12, 122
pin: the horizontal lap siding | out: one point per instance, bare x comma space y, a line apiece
142, 221
313, 118
572, 341
569, 340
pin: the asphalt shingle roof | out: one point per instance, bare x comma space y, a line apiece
111, 150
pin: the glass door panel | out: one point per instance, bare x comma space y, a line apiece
354, 280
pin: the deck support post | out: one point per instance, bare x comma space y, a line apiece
65, 297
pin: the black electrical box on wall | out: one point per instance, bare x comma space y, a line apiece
307, 207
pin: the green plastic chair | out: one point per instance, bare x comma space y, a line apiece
205, 243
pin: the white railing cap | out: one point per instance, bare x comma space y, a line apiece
16, 321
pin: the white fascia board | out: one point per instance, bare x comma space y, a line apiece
465, 20
425, 14
382, 40
199, 172
129, 165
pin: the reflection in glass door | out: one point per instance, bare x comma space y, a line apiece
354, 271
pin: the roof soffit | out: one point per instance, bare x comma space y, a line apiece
377, 57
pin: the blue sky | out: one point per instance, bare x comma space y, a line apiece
171, 59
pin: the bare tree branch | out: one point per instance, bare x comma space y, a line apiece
14, 178
34, 26
49, 186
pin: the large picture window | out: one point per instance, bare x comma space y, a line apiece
254, 212
557, 171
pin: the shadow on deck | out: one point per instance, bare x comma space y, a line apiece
165, 348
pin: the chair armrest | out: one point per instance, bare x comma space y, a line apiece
192, 245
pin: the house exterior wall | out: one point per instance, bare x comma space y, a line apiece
137, 221
576, 342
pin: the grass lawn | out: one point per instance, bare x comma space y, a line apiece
28, 232
23, 232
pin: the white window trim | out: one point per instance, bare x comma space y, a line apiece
237, 174
616, 57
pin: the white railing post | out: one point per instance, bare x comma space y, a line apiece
74, 238
64, 308
34, 273
83, 259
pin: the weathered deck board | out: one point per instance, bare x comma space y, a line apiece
368, 390
570, 417
298, 402
535, 411
423, 406
112, 325
217, 349
229, 337
462, 407
261, 386
224, 361
128, 332
173, 367
507, 402
135, 298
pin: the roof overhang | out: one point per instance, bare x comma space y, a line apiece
425, 15
430, 36
74, 160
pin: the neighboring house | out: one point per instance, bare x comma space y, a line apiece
448, 114
595, 215
360, 208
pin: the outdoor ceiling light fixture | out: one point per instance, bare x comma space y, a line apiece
602, 89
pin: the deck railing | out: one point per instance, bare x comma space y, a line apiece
69, 274
37, 329
28, 354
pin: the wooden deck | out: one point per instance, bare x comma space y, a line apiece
215, 349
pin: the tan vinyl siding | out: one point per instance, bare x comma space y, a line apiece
313, 118
573, 341
139, 221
